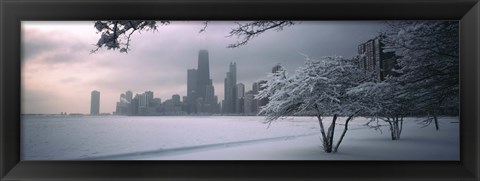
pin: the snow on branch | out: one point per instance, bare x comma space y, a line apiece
116, 35
250, 30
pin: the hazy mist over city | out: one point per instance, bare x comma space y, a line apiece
59, 73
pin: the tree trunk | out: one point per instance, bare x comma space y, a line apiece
392, 130
343, 133
401, 126
322, 130
330, 134
396, 126
436, 121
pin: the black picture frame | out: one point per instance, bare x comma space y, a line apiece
12, 12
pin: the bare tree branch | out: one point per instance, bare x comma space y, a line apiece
116, 35
205, 25
248, 31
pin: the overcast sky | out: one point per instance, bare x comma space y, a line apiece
59, 73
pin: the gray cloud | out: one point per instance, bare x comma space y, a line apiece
54, 46
68, 80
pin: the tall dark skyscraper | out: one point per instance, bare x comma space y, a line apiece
230, 89
95, 103
203, 73
200, 90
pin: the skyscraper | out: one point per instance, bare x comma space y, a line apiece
230, 84
239, 98
203, 73
142, 100
248, 103
129, 96
199, 86
240, 90
148, 98
374, 59
255, 90
191, 90
95, 103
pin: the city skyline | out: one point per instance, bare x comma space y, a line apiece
58, 72
200, 98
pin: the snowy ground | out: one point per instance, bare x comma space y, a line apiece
226, 138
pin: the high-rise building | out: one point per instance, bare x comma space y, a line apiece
129, 96
248, 103
209, 94
149, 98
176, 99
95, 103
373, 58
145, 101
133, 107
255, 90
192, 90
122, 97
240, 90
203, 73
255, 87
240, 98
199, 86
142, 101
230, 84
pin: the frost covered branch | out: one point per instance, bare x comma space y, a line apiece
117, 34
248, 31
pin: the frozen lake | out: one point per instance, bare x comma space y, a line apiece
225, 138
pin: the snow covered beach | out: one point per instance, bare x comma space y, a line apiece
226, 138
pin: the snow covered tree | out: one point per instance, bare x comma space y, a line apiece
384, 101
116, 34
429, 65
318, 89
426, 75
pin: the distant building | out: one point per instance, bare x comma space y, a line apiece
122, 107
248, 103
142, 101
240, 90
255, 89
133, 107
239, 98
192, 90
230, 92
203, 74
95, 103
373, 58
200, 90
176, 99
149, 98
129, 96
276, 68
173, 106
